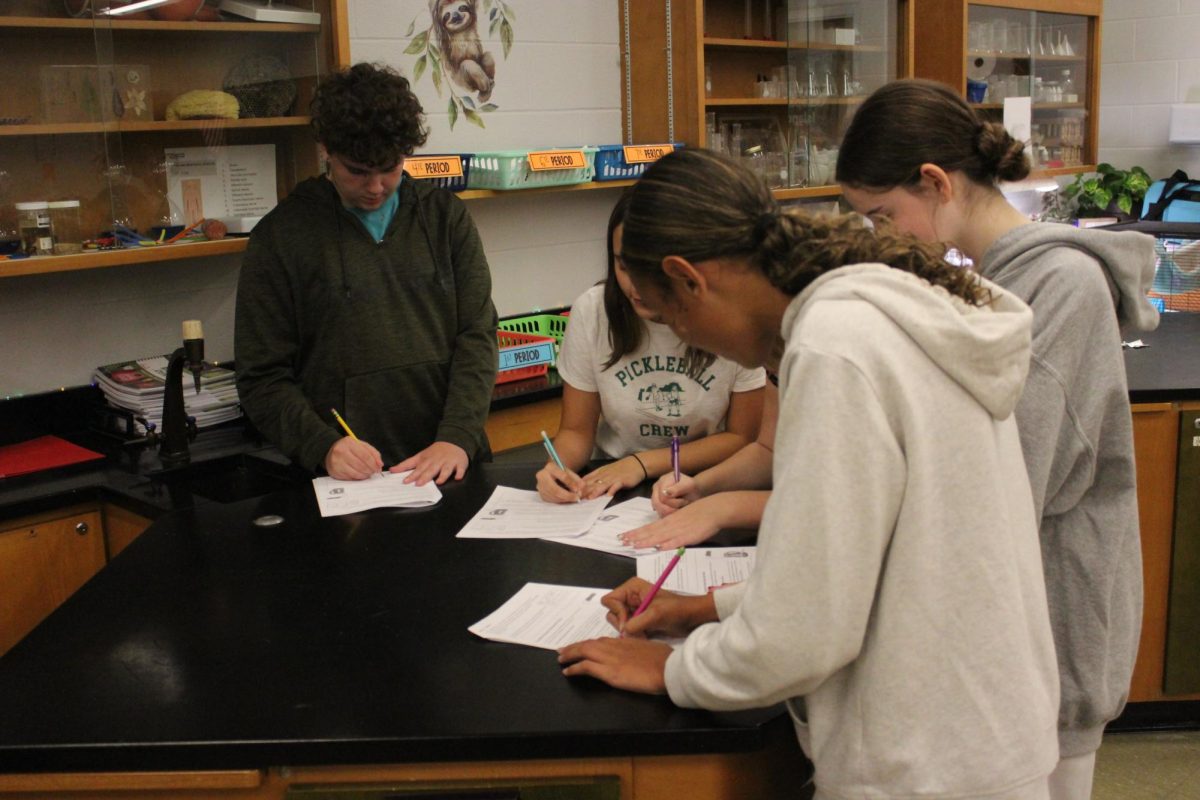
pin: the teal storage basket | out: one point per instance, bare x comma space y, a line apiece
509, 169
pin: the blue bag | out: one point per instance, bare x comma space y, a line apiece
1175, 199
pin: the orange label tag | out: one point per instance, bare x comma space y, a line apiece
556, 159
645, 153
421, 167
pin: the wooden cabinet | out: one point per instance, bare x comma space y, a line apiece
773, 82
83, 116
1045, 50
121, 527
1156, 434
43, 560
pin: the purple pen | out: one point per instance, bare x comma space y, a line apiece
675, 456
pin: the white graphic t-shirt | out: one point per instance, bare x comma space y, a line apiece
647, 396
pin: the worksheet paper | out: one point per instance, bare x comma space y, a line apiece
382, 490
548, 616
611, 524
699, 569
521, 514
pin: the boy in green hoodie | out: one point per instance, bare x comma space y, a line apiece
369, 293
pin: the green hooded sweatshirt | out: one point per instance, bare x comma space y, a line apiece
398, 335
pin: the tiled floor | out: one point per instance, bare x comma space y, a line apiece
1148, 766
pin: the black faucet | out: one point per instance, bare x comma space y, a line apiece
177, 427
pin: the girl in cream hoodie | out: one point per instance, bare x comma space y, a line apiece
897, 604
918, 155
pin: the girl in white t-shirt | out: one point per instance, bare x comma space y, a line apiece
630, 385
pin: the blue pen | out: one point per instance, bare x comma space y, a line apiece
675, 456
553, 453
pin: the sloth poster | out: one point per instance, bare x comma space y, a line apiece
451, 50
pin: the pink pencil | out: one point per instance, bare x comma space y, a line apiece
658, 583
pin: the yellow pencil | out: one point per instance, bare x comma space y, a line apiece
342, 422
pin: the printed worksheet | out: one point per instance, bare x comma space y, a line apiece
611, 524
384, 490
700, 569
521, 514
548, 616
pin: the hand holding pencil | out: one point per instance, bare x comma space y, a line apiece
350, 458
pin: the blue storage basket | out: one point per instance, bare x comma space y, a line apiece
612, 166
456, 184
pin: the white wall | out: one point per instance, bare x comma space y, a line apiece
1149, 60
560, 85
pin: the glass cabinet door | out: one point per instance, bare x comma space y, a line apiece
782, 79
838, 53
1041, 56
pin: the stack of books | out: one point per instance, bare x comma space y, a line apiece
138, 387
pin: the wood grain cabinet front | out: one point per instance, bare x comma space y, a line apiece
43, 560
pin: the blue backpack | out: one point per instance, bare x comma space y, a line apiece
1175, 199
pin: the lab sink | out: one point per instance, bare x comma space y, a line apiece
231, 478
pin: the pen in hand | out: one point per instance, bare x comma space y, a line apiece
657, 585
549, 445
675, 456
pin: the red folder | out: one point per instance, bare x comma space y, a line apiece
45, 452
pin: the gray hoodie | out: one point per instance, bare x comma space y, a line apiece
1077, 437
898, 588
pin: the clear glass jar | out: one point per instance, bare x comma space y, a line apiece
33, 221
64, 220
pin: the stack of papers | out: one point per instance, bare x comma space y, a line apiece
383, 490
547, 616
138, 386
522, 514
700, 570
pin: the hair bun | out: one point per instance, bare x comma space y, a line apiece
1003, 155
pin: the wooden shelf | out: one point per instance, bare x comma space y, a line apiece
727, 102
476, 194
1022, 56
39, 265
149, 126
1036, 106
718, 43
807, 192
67, 23
98, 259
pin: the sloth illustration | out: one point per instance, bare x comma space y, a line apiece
467, 63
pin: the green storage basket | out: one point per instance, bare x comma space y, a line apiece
552, 325
509, 169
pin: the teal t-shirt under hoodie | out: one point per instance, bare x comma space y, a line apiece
377, 220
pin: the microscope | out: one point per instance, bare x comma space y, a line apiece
177, 427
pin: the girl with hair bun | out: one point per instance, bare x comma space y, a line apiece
916, 154
897, 603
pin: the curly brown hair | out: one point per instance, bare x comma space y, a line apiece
368, 113
699, 205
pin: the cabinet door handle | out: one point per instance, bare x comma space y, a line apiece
81, 528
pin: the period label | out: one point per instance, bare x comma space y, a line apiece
645, 153
542, 160
421, 167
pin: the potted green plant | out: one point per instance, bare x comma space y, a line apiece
1108, 192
